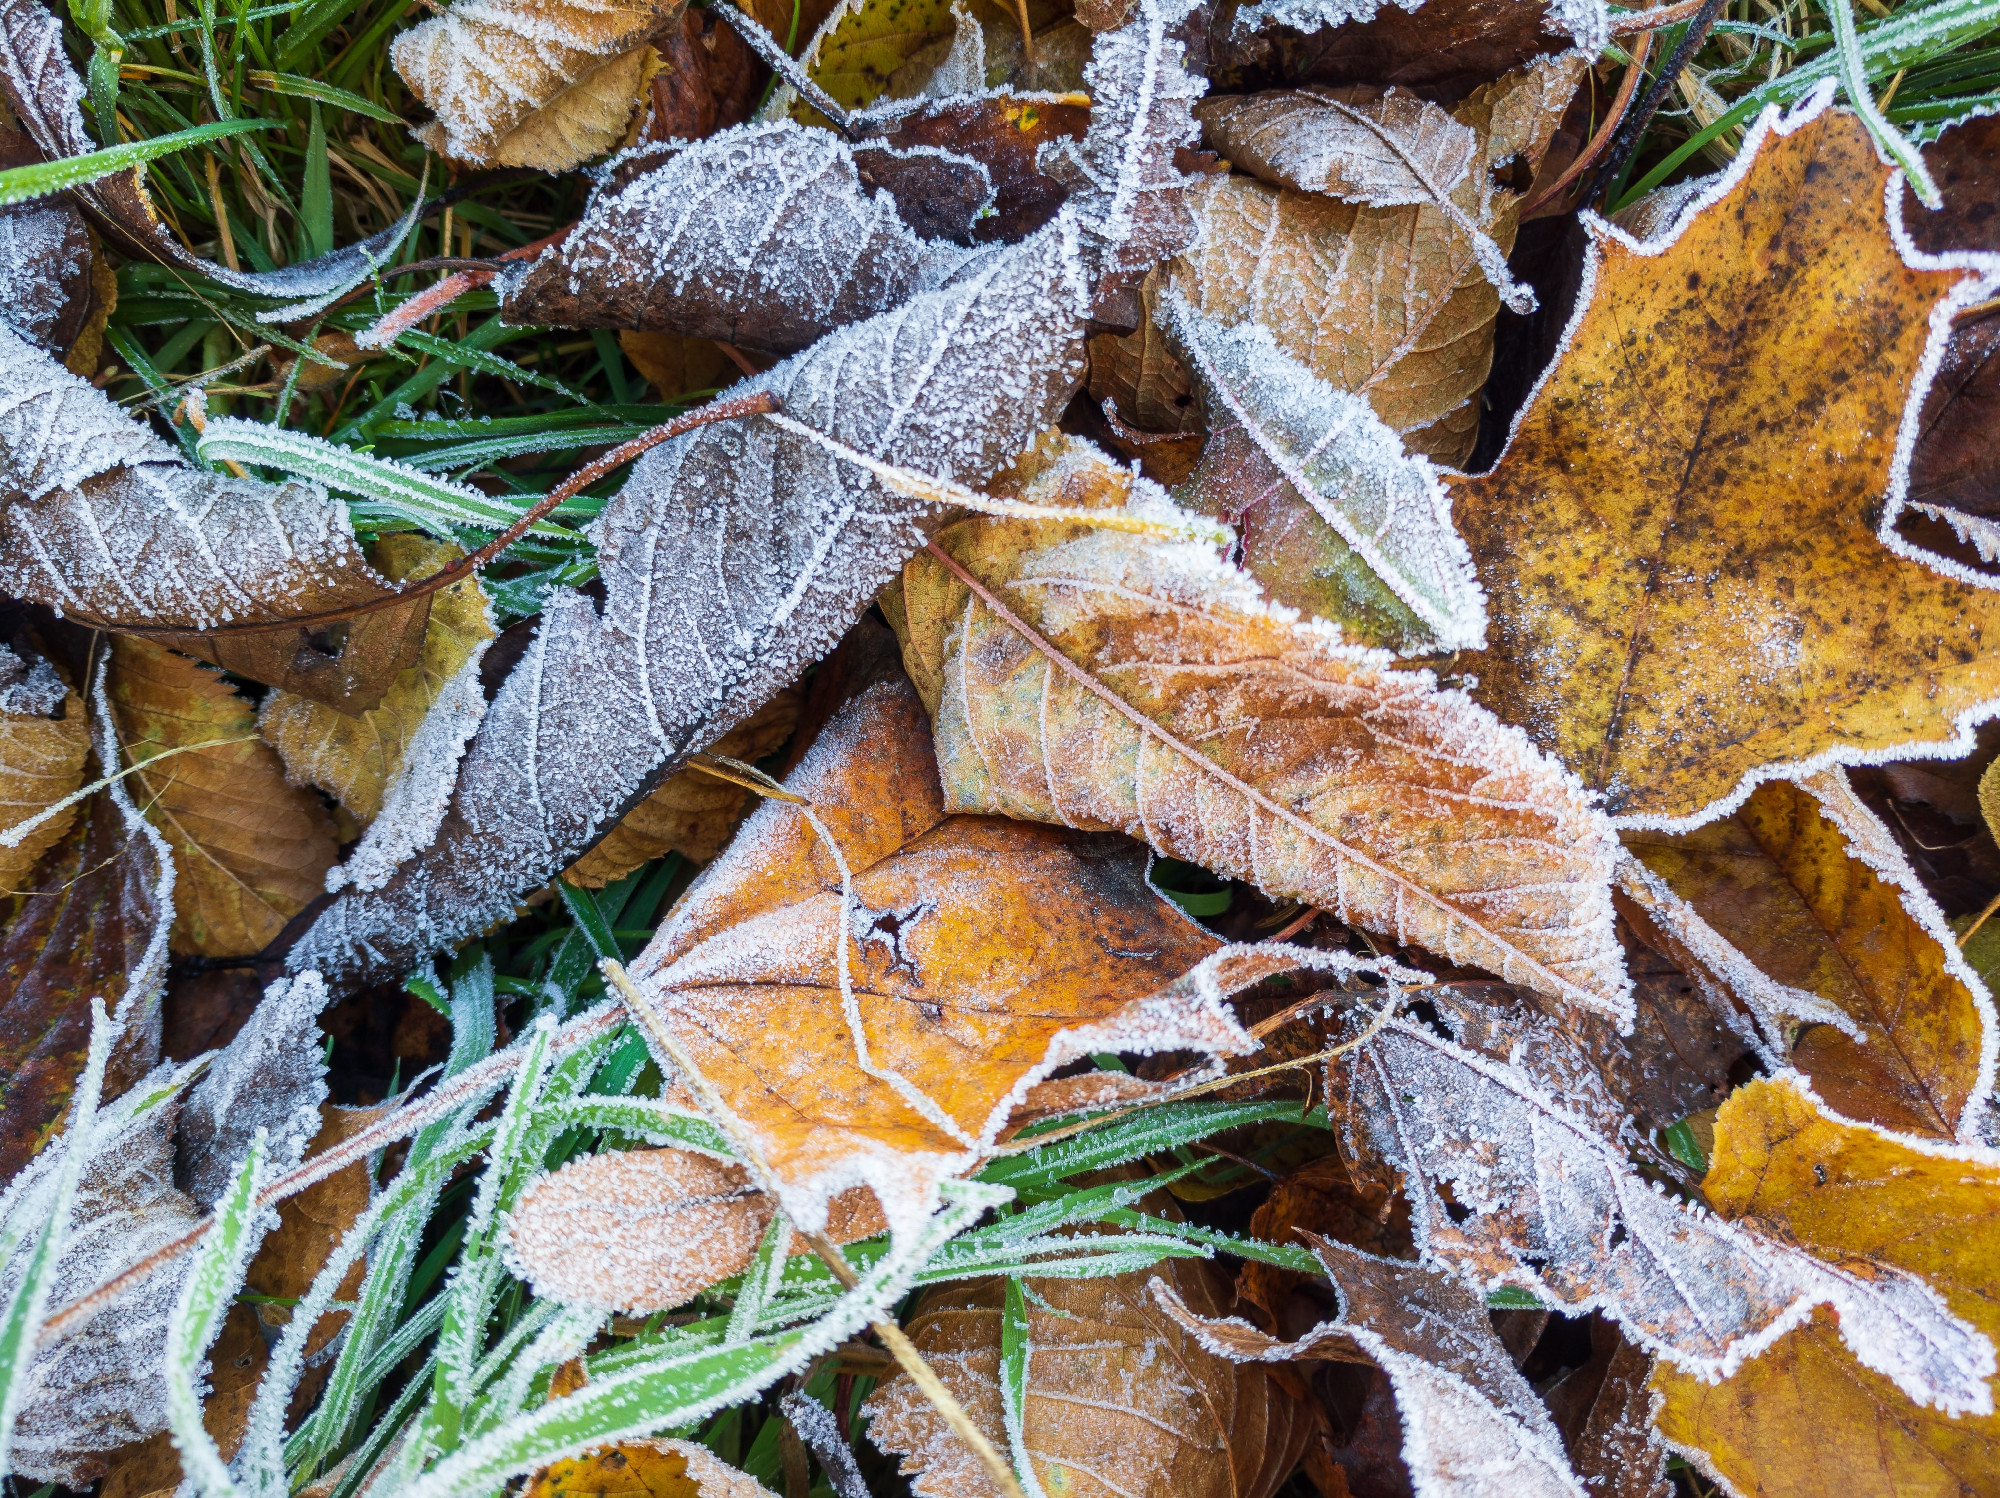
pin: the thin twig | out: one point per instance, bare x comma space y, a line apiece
433, 298
12, 837
785, 66
646, 1014
1633, 130
1627, 86
1970, 931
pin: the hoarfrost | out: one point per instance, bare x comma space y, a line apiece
1587, 22
1551, 1205
1382, 147
42, 247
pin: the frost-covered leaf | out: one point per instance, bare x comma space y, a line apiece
733, 558
99, 1387
643, 1230
1543, 1200
355, 759
541, 83
272, 1076
1391, 304
1003, 133
108, 525
1122, 1402
43, 741
1334, 517
691, 813
980, 955
871, 50
1472, 1426
54, 291
1382, 147
1675, 653
1605, 1412
250, 851
1814, 891
1176, 704
764, 236
43, 91
1805, 1418
645, 1468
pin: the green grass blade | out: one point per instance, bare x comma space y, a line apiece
1014, 1351
295, 87
19, 184
1147, 1132
316, 200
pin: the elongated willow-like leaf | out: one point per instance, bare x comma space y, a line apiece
1115, 681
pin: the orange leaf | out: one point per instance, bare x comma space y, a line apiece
645, 1469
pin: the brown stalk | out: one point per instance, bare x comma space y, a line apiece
569, 488
1654, 18
1627, 87
900, 1347
447, 291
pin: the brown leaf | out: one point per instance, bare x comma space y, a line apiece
1605, 1412
642, 1230
1381, 146
1670, 652
1171, 702
1808, 885
692, 813
43, 743
541, 83
1121, 1400
677, 366
236, 1364
984, 955
1322, 1199
270, 1077
355, 759
91, 924
645, 1468
1005, 135
250, 851
56, 290
707, 79
1805, 1419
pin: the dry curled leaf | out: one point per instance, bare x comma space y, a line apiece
1811, 888
109, 526
355, 759
1806, 1418
1122, 1402
1542, 1198
1175, 704
1679, 546
56, 290
541, 83
1472, 1426
250, 851
982, 955
43, 743
645, 1468
642, 1230
691, 813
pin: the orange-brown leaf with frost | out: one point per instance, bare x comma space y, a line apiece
43, 742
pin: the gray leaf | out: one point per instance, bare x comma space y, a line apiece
270, 1077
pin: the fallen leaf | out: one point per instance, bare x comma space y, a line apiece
1381, 146
643, 1230
110, 527
645, 1468
1334, 517
1121, 1400
540, 83
868, 49
1542, 1199
249, 850
353, 758
1805, 1418
236, 1365
691, 813
43, 742
1605, 1412
1813, 890
1472, 1425
1323, 1199
1659, 623
707, 79
271, 1076
1173, 703
56, 290
984, 955
677, 366
1003, 134
1391, 304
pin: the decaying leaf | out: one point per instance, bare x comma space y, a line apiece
707, 79
542, 83
106, 524
1814, 891
1179, 706
645, 1469
981, 955
691, 813
868, 50
1383, 147
250, 851
1540, 1197
1334, 517
1605, 1412
1122, 1401
356, 759
1472, 1426
1391, 304
642, 1230
1001, 133
270, 1077
236, 1363
56, 291
1686, 583
1806, 1418
43, 742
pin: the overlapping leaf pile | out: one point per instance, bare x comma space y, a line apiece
1321, 965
